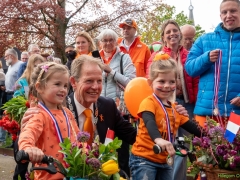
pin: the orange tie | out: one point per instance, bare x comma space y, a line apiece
88, 126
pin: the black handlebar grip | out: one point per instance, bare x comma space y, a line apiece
22, 155
157, 149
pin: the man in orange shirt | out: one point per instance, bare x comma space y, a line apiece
132, 45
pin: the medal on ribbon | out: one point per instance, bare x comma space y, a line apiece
169, 160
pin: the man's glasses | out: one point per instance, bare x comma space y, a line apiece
7, 56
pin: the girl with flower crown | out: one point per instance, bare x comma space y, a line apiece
45, 130
159, 122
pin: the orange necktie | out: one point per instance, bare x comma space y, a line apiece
88, 125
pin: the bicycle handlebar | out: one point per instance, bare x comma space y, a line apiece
22, 155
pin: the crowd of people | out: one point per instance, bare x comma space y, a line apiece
178, 69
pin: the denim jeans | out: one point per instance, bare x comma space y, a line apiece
2, 135
180, 163
143, 169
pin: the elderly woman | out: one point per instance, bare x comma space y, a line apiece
118, 71
113, 79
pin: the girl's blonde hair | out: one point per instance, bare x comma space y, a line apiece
30, 66
162, 63
42, 73
89, 39
0, 65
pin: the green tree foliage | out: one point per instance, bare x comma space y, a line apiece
151, 23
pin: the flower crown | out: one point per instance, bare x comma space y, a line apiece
161, 56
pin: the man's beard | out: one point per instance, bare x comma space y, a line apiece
9, 62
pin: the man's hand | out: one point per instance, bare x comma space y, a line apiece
28, 114
181, 110
235, 101
213, 55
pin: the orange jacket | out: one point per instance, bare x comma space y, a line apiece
40, 132
139, 53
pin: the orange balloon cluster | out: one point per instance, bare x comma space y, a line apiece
136, 90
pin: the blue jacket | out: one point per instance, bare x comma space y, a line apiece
20, 84
198, 64
22, 69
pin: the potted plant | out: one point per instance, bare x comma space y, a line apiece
98, 161
217, 158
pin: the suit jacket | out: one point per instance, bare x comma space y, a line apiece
111, 118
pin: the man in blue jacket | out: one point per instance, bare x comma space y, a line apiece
219, 51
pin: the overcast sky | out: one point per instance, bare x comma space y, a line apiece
206, 12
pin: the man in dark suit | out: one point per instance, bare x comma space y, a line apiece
108, 117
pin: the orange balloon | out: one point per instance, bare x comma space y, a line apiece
136, 90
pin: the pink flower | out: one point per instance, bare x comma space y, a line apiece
45, 67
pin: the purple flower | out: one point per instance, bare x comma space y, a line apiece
197, 141
216, 131
50, 58
94, 162
206, 142
74, 145
96, 154
95, 146
221, 150
83, 136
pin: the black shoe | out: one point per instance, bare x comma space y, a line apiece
10, 146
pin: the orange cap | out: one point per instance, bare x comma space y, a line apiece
129, 22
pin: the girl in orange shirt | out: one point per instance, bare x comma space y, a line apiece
159, 122
45, 130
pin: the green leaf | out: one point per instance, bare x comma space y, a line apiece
116, 176
101, 148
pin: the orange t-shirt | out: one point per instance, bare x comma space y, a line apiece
143, 146
40, 132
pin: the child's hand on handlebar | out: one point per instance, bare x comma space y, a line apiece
165, 146
35, 154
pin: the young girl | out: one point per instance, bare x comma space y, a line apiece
22, 84
45, 130
158, 124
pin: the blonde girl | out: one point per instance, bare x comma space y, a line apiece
158, 123
22, 84
45, 130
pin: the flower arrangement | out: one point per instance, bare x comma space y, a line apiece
14, 110
98, 161
213, 151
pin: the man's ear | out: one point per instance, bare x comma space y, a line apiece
149, 81
73, 82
